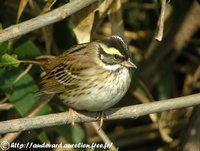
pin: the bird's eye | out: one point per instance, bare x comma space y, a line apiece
117, 57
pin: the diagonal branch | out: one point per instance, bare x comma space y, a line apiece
134, 111
43, 20
161, 20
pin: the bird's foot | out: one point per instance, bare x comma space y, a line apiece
101, 116
73, 113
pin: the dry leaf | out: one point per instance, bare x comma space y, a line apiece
21, 8
88, 19
115, 17
48, 6
48, 30
83, 23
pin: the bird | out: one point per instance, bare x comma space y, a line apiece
92, 76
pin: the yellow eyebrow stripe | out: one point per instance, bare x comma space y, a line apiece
112, 51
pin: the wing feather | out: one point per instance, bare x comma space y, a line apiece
66, 74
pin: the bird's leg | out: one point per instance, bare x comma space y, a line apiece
73, 113
101, 116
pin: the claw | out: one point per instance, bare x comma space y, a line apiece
73, 113
101, 116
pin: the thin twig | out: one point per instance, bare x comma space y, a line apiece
10, 137
43, 101
134, 111
6, 106
103, 135
22, 74
43, 20
3, 100
161, 20
190, 139
133, 132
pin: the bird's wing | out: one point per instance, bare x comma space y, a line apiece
66, 74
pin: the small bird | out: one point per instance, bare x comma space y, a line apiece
92, 76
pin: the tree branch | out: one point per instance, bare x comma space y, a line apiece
134, 111
161, 20
43, 20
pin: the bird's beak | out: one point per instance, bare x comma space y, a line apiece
128, 63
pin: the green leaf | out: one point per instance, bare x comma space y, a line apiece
9, 60
27, 50
74, 134
3, 48
42, 136
164, 86
45, 110
23, 94
1, 28
77, 133
4, 45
